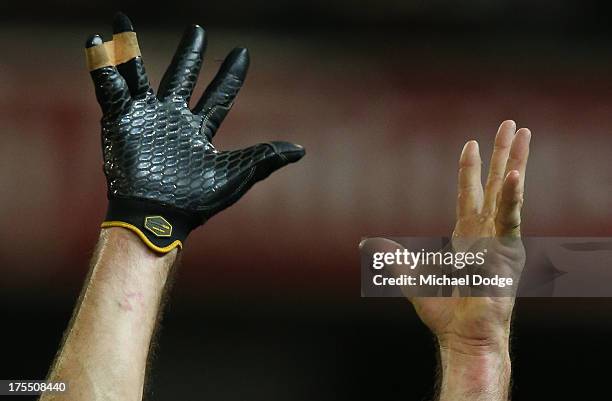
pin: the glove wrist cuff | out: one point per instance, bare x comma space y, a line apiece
161, 228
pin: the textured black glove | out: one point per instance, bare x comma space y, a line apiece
164, 175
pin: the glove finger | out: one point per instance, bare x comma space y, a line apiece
240, 169
219, 96
263, 159
111, 89
133, 70
182, 73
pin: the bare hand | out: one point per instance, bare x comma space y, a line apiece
481, 324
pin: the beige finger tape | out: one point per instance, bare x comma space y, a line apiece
122, 48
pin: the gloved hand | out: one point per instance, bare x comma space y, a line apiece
164, 175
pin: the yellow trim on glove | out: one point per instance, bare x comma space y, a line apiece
143, 237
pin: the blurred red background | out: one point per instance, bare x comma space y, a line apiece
383, 130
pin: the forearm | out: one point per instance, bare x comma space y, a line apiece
474, 372
105, 352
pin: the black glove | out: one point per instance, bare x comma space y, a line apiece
164, 175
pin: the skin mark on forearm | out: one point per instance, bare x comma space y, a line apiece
132, 301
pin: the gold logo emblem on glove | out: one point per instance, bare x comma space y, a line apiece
158, 226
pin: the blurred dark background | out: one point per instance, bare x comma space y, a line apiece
382, 94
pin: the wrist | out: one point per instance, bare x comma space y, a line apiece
461, 355
494, 341
160, 228
475, 369
128, 246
